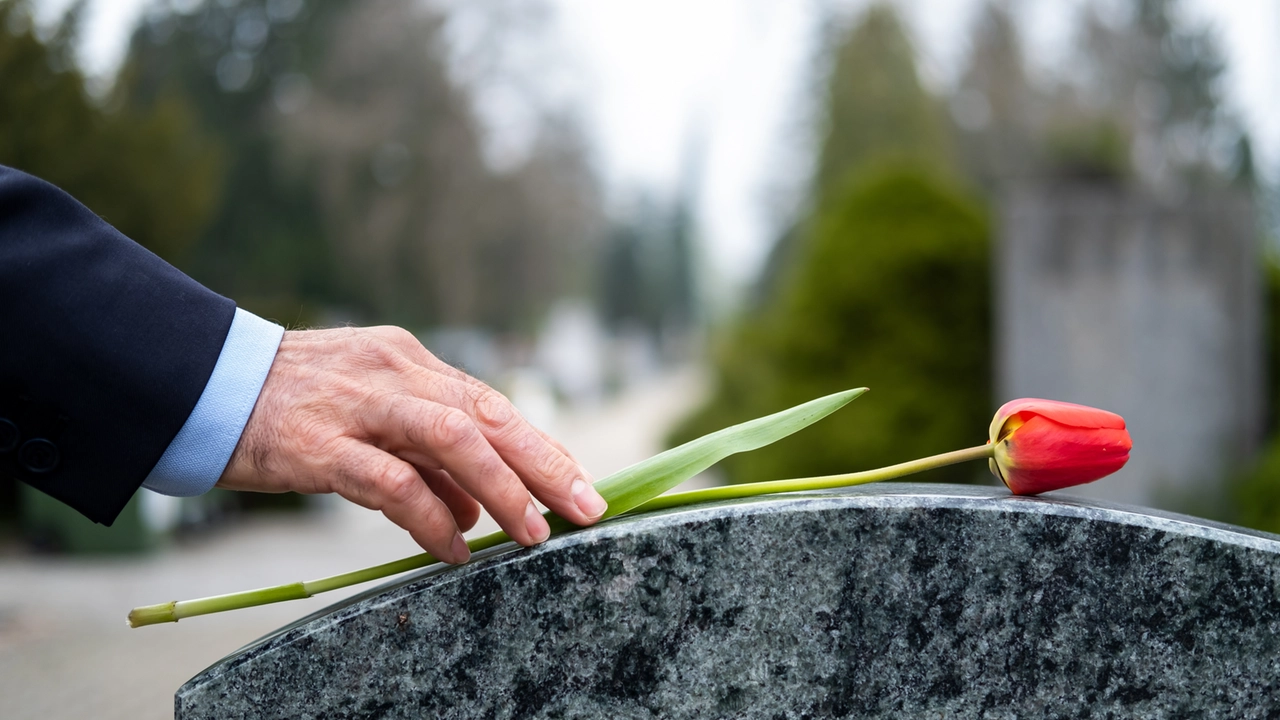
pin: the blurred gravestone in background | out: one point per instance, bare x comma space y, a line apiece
1107, 296
1128, 263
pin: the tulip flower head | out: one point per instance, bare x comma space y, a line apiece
1043, 445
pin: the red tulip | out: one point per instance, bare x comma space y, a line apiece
1043, 445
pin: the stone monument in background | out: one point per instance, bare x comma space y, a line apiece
1108, 297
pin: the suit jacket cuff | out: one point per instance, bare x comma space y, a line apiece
194, 461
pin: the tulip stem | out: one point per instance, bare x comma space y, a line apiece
824, 482
174, 611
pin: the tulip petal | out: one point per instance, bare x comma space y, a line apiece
1071, 414
1043, 454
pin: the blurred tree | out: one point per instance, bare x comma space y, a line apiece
357, 177
1139, 99
647, 277
890, 292
625, 296
1145, 80
146, 171
647, 273
679, 290
875, 107
242, 65
995, 107
395, 154
357, 171
1159, 69
547, 224
885, 285
647, 288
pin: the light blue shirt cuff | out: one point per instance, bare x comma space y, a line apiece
194, 461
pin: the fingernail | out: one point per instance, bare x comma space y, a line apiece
461, 553
588, 500
536, 524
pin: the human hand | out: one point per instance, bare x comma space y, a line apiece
370, 414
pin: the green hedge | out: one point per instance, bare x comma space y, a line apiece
888, 289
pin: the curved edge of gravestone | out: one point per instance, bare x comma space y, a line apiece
885, 497
889, 494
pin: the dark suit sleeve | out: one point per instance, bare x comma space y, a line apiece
104, 349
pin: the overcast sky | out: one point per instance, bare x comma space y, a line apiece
651, 76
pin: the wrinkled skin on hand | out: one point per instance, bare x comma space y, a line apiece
370, 414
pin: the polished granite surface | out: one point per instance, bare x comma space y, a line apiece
883, 601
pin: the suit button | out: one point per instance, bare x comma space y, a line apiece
38, 456
8, 435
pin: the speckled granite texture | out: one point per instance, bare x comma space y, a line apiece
883, 602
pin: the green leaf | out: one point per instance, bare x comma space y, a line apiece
635, 485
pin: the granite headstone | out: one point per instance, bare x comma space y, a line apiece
884, 602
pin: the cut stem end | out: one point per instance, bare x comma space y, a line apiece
153, 614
